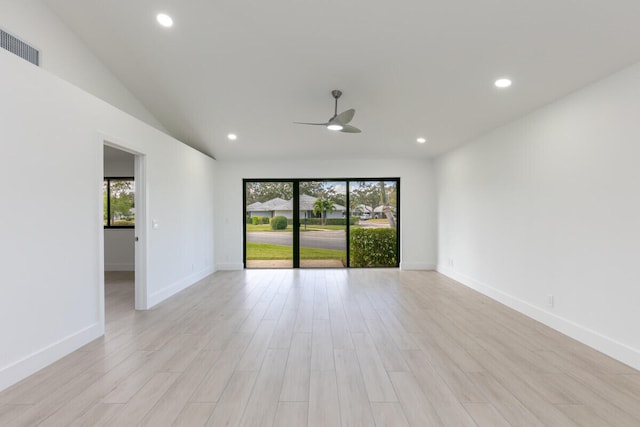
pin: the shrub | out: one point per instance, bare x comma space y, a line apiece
257, 220
278, 223
311, 221
342, 221
373, 247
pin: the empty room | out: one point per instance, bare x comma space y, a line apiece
293, 213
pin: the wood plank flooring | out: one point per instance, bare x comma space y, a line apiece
325, 348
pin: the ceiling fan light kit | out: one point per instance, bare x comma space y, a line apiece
339, 122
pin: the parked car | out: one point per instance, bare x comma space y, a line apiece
365, 216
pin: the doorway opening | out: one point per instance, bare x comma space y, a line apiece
123, 205
321, 223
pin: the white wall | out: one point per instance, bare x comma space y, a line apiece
63, 54
118, 163
119, 253
417, 201
550, 205
51, 171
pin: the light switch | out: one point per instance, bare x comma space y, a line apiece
155, 224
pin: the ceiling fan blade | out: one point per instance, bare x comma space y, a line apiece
312, 124
350, 129
345, 117
338, 122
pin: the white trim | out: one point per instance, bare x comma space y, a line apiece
140, 232
32, 363
230, 267
100, 227
617, 350
180, 285
416, 266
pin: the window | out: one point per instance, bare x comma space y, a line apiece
119, 203
322, 223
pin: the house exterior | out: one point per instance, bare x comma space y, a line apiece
280, 207
368, 212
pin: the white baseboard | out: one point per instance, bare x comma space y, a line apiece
180, 285
119, 267
230, 267
619, 351
416, 266
32, 363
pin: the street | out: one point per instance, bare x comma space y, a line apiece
325, 239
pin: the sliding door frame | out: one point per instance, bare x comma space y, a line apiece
296, 214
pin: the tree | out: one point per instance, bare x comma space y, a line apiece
312, 188
264, 191
385, 206
367, 195
371, 194
321, 206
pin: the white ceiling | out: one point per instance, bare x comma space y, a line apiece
409, 67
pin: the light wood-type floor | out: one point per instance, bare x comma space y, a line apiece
325, 348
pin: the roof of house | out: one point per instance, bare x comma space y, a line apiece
278, 204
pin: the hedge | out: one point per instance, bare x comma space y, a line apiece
278, 223
257, 220
329, 221
373, 247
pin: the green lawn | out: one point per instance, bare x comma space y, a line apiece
264, 227
321, 227
264, 251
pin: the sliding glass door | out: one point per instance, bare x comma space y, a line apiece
268, 224
374, 237
323, 226
322, 223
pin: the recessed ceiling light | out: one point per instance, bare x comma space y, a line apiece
421, 140
232, 137
502, 83
164, 20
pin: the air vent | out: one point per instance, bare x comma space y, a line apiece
20, 48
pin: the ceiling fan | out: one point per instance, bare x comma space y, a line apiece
339, 122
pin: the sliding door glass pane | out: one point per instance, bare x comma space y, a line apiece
323, 224
373, 241
269, 229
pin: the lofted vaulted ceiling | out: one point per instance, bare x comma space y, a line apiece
410, 68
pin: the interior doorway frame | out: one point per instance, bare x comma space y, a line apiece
140, 228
